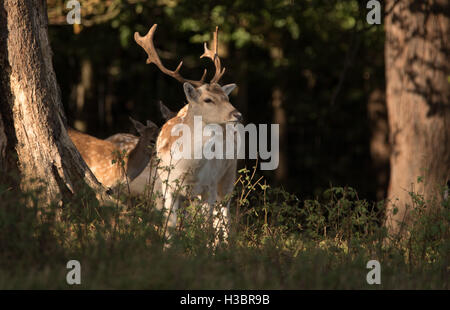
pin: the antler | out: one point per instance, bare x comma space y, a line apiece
146, 42
214, 56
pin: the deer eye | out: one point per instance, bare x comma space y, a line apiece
208, 100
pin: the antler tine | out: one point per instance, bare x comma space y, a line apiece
146, 42
214, 56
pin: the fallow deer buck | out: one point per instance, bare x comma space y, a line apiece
211, 179
100, 154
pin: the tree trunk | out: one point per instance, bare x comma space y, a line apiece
379, 140
84, 98
418, 92
37, 145
279, 117
3, 142
242, 78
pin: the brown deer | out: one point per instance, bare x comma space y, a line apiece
209, 179
100, 155
126, 142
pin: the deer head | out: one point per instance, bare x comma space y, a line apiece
140, 155
210, 100
127, 141
212, 103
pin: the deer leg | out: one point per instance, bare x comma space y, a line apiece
172, 207
224, 189
209, 198
171, 203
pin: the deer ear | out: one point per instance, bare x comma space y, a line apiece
165, 111
229, 88
138, 125
191, 93
151, 124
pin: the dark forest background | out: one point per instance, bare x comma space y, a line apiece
315, 67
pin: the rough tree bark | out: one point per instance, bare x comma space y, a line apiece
37, 144
418, 92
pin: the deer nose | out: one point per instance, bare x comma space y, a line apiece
237, 115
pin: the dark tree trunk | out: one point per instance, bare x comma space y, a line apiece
379, 140
85, 109
280, 118
418, 92
242, 81
3, 141
37, 144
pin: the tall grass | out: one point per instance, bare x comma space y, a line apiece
276, 241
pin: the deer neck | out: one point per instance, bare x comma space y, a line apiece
138, 158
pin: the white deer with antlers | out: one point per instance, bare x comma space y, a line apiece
210, 179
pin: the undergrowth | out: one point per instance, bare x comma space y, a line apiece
276, 241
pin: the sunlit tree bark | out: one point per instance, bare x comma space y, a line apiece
418, 93
37, 144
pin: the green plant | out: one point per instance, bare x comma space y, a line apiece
276, 241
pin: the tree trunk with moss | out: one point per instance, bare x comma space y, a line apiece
37, 145
418, 91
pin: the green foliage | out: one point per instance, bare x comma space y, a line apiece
276, 241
